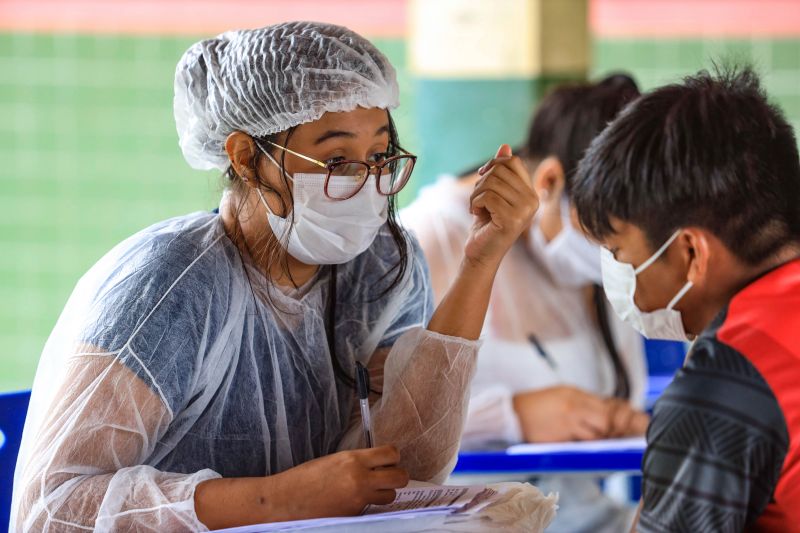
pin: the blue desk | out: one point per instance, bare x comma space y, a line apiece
625, 459
500, 463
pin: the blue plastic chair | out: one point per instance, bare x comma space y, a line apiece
664, 358
13, 409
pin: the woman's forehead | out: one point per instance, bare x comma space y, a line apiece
360, 122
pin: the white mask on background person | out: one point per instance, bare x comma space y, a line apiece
324, 231
571, 258
619, 282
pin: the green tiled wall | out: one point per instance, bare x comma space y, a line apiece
656, 62
88, 156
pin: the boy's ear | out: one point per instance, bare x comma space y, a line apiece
698, 252
548, 179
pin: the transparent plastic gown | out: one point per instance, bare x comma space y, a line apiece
170, 366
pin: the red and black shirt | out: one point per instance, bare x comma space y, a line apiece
723, 447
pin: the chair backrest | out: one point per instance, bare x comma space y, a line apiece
664, 358
13, 408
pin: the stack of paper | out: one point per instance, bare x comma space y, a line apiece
418, 507
419, 497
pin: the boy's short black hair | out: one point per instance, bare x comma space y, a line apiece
571, 115
710, 152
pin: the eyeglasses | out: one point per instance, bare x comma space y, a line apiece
346, 178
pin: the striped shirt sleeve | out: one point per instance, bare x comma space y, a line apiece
715, 446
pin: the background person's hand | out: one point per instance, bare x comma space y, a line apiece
503, 203
626, 421
562, 413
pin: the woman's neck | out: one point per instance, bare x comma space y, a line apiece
249, 230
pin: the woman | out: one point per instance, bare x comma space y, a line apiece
200, 375
555, 364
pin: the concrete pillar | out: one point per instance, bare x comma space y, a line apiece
480, 66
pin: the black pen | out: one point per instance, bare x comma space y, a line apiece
539, 348
362, 384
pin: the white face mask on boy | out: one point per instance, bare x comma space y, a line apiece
619, 282
324, 231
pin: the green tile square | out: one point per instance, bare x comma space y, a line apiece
7, 43
738, 50
614, 54
644, 53
690, 54
785, 54
36, 45
789, 103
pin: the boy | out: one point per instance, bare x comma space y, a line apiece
694, 191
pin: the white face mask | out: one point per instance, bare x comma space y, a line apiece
571, 258
619, 282
325, 231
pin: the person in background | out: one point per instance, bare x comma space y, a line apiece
556, 364
694, 192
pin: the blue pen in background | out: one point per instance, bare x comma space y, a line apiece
362, 385
540, 349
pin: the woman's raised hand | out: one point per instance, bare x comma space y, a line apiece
503, 203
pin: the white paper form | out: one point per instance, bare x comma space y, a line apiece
418, 496
414, 504
605, 445
403, 521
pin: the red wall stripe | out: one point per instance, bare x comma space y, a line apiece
374, 18
388, 18
695, 18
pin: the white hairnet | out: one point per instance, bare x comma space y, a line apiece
267, 80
